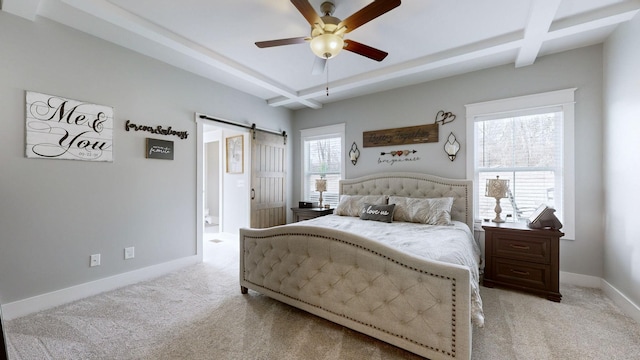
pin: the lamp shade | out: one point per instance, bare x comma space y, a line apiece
321, 184
327, 46
497, 188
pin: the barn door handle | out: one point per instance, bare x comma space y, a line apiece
253, 194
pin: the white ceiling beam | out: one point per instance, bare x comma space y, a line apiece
27, 9
462, 54
540, 28
131, 22
611, 15
541, 16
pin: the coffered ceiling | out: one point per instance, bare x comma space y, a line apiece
425, 39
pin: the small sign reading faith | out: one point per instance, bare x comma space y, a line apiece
159, 149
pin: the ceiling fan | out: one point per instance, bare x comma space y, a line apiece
327, 31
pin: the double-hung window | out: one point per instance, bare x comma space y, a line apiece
529, 141
322, 156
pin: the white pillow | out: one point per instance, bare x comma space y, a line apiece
351, 205
432, 211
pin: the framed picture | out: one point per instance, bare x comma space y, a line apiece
235, 154
159, 149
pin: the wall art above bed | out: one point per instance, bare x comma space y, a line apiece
401, 136
60, 128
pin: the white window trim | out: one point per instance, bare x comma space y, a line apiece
562, 98
323, 131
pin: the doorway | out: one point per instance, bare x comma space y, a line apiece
222, 198
211, 194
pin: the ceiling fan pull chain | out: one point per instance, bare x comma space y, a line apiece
327, 77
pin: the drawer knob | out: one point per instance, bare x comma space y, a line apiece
519, 247
523, 273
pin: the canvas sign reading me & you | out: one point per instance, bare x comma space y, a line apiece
59, 128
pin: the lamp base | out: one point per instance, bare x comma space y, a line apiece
498, 211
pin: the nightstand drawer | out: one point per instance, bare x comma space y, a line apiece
530, 275
522, 247
300, 214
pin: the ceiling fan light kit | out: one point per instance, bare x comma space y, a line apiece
327, 31
327, 46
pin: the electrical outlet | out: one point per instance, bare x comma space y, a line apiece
129, 253
95, 260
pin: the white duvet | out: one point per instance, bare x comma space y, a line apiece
451, 243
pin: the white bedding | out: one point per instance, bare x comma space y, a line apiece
451, 243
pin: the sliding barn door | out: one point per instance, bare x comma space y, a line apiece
268, 196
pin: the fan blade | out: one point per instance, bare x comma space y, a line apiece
280, 42
319, 64
364, 50
368, 13
308, 12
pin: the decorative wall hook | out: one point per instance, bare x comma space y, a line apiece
443, 117
451, 147
354, 153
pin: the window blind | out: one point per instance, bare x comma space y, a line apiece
525, 148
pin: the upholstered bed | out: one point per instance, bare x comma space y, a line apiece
366, 278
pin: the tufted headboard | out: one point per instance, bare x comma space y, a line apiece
416, 185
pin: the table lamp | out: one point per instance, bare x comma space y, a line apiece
497, 188
321, 186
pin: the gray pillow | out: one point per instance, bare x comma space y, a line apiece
383, 213
351, 205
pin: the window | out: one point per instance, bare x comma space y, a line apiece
529, 141
322, 157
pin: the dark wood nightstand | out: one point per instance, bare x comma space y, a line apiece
522, 258
300, 214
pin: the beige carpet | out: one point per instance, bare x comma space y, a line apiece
199, 313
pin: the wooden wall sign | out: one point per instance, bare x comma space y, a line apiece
159, 149
60, 128
401, 136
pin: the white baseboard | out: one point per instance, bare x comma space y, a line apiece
55, 298
625, 304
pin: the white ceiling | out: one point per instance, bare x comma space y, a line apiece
425, 39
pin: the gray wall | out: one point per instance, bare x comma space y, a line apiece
621, 158
419, 104
55, 213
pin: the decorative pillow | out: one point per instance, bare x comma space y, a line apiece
383, 213
432, 211
351, 205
